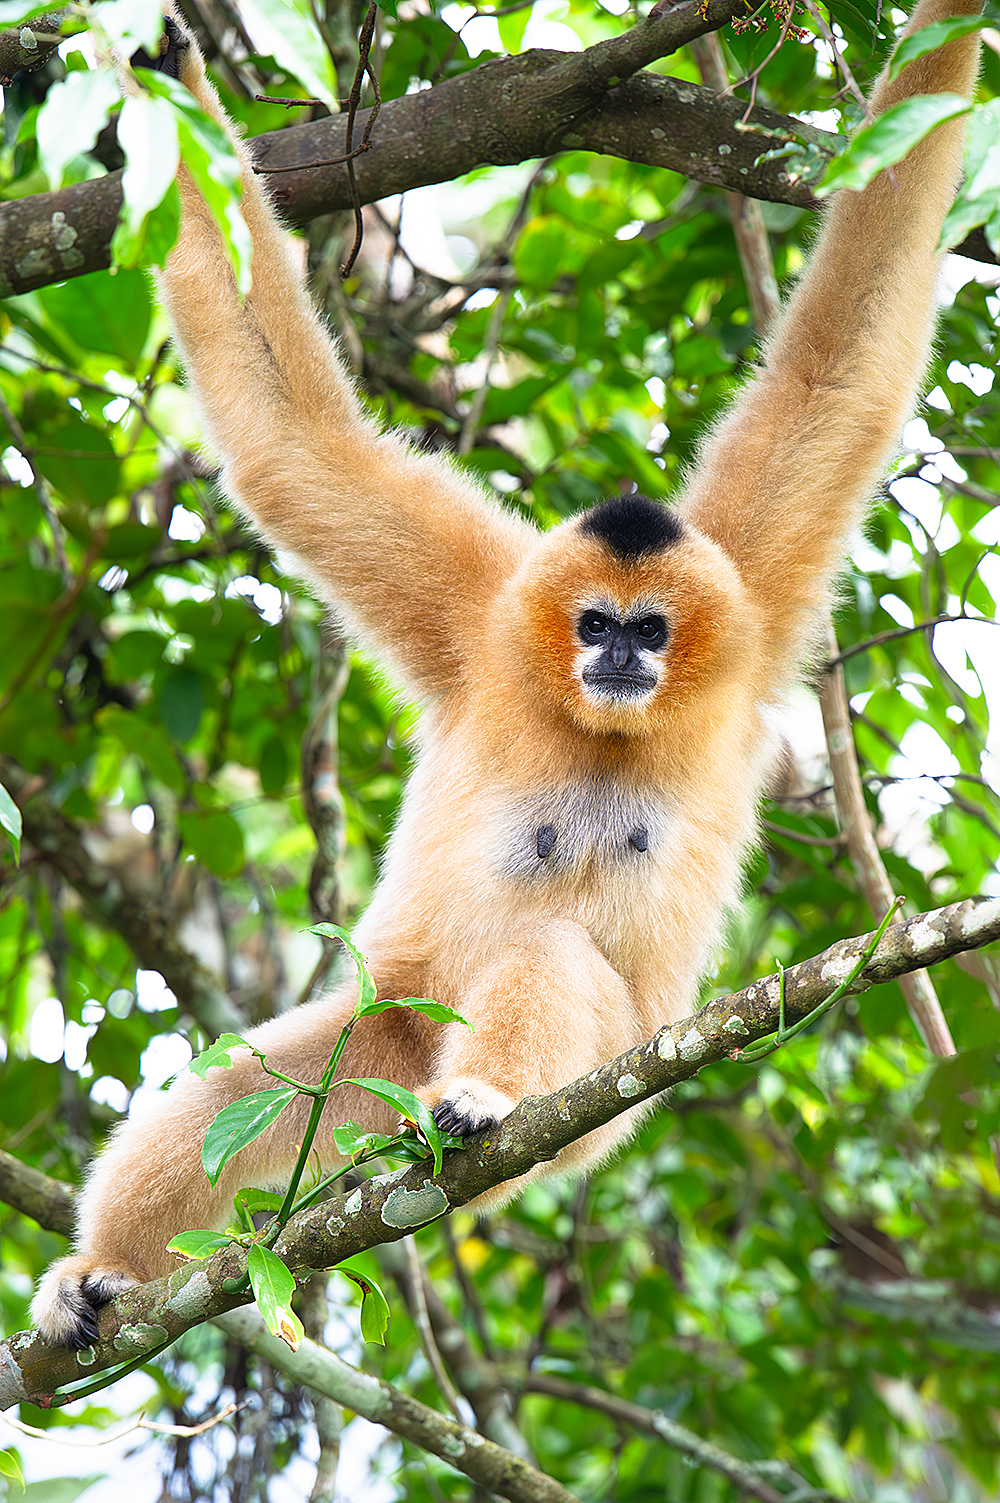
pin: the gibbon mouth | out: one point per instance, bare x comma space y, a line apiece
620, 685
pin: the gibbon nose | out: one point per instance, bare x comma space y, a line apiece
621, 651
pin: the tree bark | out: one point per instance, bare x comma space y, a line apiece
390, 1206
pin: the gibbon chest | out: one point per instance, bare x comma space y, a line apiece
578, 831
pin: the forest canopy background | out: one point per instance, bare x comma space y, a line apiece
799, 1262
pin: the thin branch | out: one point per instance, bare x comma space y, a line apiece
48, 1201
140, 919
880, 638
389, 1207
491, 343
741, 1474
422, 1321
865, 856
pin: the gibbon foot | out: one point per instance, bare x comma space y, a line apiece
464, 1106
70, 1298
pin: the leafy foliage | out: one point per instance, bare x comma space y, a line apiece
794, 1261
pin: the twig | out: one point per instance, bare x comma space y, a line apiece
421, 1320
749, 229
849, 80
364, 47
181, 1431
864, 854
741, 1473
902, 631
471, 421
803, 839
290, 104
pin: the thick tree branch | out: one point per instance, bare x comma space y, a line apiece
507, 110
141, 920
47, 1200
390, 1206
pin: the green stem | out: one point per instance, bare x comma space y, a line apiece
766, 1046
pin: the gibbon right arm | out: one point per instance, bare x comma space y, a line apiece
788, 473
409, 550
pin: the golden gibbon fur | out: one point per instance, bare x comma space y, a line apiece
594, 738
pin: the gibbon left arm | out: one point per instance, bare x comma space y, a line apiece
787, 474
409, 551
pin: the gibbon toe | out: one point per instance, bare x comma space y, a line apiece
70, 1298
464, 1107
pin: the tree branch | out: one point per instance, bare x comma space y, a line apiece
48, 1201
390, 1206
862, 848
507, 110
142, 921
490, 1465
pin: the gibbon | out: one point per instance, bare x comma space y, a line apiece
594, 734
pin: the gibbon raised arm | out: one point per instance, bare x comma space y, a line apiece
594, 735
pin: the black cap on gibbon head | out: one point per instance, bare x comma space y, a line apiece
632, 526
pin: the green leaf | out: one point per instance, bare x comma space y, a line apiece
217, 1055
350, 1139
152, 242
436, 1010
409, 1107
928, 38
374, 1306
148, 135
513, 27
146, 740
273, 1288
250, 1201
129, 540
131, 24
11, 1467
182, 703
978, 201
75, 110
366, 986
239, 1124
287, 31
210, 157
103, 312
389, 7
10, 820
273, 765
215, 838
200, 1244
889, 138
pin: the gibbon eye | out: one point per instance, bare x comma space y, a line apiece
652, 631
593, 626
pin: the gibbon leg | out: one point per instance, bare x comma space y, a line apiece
549, 1008
149, 1184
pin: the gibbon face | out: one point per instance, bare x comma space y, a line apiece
629, 613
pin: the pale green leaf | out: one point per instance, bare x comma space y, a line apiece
10, 820
929, 38
238, 1124
131, 24
199, 1244
892, 135
374, 1306
75, 110
147, 134
410, 1107
366, 986
217, 1055
273, 1288
286, 30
